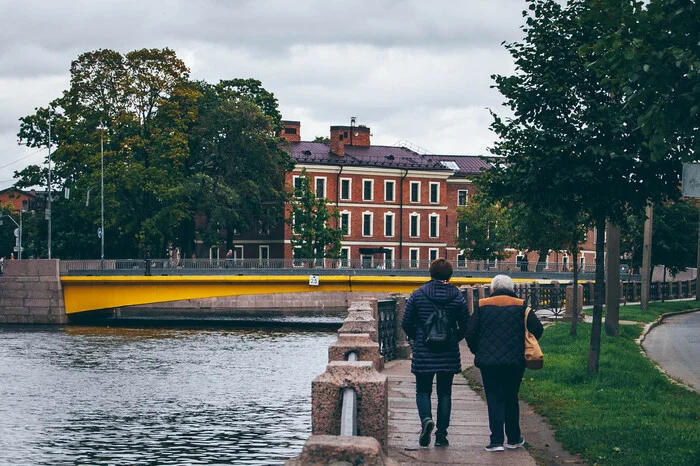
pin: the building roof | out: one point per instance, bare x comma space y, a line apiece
372, 156
463, 165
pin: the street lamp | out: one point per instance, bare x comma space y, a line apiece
102, 193
19, 226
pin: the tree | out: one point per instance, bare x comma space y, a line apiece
483, 230
568, 148
313, 236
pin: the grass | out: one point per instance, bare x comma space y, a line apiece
627, 414
633, 312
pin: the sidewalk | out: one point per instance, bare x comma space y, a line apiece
468, 433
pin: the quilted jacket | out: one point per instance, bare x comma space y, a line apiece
496, 330
418, 308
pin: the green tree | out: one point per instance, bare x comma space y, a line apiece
567, 147
483, 230
314, 235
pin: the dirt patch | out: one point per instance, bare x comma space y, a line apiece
538, 434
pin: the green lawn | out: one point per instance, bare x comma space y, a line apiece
628, 414
635, 313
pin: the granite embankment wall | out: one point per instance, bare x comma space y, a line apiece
31, 293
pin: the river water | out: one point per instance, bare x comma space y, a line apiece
96, 395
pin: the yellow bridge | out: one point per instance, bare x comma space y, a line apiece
89, 293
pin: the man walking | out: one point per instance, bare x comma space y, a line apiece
433, 360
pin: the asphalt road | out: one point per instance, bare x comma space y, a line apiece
675, 345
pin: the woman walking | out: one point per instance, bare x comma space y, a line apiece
496, 336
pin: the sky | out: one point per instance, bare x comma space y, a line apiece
415, 71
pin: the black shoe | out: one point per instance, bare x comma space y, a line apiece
428, 426
441, 440
520, 443
494, 447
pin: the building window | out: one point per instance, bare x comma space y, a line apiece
434, 225
238, 253
367, 190
366, 261
462, 197
344, 257
297, 185
433, 254
264, 254
414, 225
25, 205
414, 258
345, 223
389, 258
367, 218
388, 224
289, 130
434, 193
389, 191
461, 260
320, 187
415, 191
345, 189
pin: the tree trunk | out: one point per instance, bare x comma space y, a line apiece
612, 281
663, 287
599, 296
574, 315
646, 257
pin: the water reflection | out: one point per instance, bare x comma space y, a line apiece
91, 395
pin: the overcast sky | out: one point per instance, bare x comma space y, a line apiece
410, 70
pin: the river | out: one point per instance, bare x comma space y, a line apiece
106, 395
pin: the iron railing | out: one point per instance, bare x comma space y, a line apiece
387, 324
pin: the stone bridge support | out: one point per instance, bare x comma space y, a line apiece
31, 293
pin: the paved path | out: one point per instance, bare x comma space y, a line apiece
468, 432
675, 346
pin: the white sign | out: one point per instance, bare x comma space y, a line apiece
691, 180
313, 280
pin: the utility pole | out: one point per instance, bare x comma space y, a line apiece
102, 194
48, 197
646, 257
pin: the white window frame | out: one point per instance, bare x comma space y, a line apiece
466, 197
433, 251
371, 224
325, 186
235, 253
389, 263
393, 224
344, 263
214, 252
371, 192
340, 195
461, 260
413, 263
410, 225
437, 225
437, 192
349, 221
387, 191
410, 192
261, 248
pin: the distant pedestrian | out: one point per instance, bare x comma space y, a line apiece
430, 361
496, 336
12, 256
229, 258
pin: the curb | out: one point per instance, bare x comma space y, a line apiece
645, 332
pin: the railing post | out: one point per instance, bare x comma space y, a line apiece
403, 349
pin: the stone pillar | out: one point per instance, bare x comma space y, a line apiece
31, 293
403, 349
329, 449
372, 398
360, 320
469, 297
570, 303
367, 350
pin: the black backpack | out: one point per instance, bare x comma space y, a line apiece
437, 331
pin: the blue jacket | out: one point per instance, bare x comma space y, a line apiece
496, 331
418, 308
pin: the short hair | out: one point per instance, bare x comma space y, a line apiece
441, 269
502, 282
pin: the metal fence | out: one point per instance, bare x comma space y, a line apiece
387, 325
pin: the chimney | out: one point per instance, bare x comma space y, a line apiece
291, 131
339, 136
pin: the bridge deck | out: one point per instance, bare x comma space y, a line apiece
468, 432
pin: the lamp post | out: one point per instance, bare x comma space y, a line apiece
102, 194
48, 210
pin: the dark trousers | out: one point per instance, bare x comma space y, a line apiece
501, 385
424, 388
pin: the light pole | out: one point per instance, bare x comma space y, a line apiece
48, 210
102, 194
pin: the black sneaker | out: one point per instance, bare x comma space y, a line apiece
441, 440
520, 443
494, 447
428, 426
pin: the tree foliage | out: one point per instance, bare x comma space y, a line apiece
174, 150
314, 235
483, 230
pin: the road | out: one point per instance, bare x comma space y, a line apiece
675, 346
